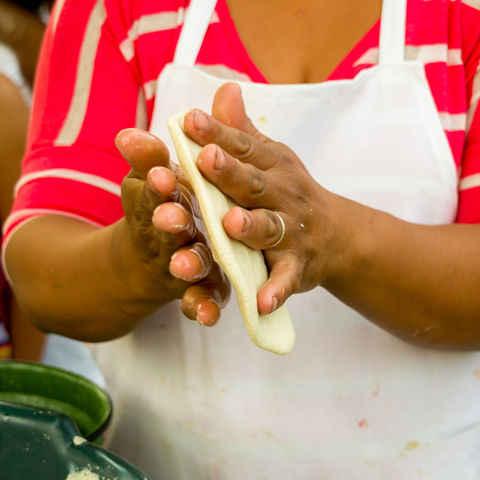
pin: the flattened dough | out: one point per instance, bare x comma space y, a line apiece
244, 266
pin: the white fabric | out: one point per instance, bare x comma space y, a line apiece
392, 39
71, 355
351, 401
196, 23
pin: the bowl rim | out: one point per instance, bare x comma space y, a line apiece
37, 367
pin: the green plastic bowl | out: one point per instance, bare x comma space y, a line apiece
51, 388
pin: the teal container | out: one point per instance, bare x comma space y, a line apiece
44, 444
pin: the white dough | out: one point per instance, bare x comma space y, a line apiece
84, 474
244, 266
78, 440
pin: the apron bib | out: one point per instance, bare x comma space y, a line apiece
351, 401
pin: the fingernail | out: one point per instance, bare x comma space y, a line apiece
246, 221
204, 266
199, 314
177, 223
220, 162
274, 303
237, 87
201, 121
171, 221
175, 262
154, 173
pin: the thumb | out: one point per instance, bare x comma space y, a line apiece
229, 109
142, 151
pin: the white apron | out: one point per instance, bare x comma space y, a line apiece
351, 401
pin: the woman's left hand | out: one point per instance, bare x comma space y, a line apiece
283, 209
418, 282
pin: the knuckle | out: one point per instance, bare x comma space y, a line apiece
256, 185
243, 147
270, 227
253, 185
285, 152
299, 194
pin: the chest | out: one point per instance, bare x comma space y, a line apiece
301, 41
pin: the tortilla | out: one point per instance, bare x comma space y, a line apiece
244, 266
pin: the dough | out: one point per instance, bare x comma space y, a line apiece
244, 266
84, 474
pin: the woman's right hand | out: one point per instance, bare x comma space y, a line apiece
161, 231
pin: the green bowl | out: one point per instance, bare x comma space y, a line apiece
51, 388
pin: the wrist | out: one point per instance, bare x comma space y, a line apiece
346, 228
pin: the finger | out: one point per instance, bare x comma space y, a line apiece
229, 109
283, 282
140, 198
142, 151
198, 305
162, 184
192, 263
203, 301
259, 229
175, 222
241, 181
204, 129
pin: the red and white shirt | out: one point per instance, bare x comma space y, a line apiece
97, 75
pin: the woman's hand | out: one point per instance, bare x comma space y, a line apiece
280, 200
418, 282
98, 283
159, 211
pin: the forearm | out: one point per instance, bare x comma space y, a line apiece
80, 281
421, 283
27, 340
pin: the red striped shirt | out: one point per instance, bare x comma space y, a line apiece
101, 58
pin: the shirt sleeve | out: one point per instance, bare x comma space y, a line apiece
469, 185
85, 93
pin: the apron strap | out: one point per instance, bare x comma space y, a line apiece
392, 31
197, 19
